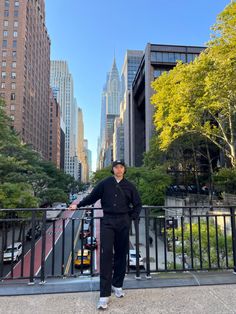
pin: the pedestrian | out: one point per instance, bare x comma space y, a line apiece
121, 203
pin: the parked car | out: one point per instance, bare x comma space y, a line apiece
90, 243
17, 251
37, 233
86, 258
132, 259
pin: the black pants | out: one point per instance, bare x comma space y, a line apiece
114, 234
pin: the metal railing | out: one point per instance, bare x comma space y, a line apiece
164, 238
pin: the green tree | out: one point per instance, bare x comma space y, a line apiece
17, 195
52, 195
203, 256
200, 97
225, 180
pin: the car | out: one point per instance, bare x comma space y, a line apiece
86, 258
132, 259
90, 243
59, 205
37, 233
17, 251
86, 231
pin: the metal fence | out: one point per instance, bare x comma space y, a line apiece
163, 238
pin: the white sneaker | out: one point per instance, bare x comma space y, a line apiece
119, 292
102, 303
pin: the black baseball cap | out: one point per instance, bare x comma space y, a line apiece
118, 162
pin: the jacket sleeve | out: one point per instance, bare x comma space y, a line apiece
137, 204
94, 196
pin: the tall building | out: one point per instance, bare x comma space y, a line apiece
118, 139
123, 140
62, 81
81, 149
113, 94
90, 169
109, 111
25, 69
156, 59
54, 132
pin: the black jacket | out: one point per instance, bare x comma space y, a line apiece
116, 198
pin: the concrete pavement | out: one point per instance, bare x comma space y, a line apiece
200, 299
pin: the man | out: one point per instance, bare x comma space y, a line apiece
121, 203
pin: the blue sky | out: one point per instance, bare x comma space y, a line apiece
86, 34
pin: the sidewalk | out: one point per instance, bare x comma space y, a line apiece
142, 246
201, 300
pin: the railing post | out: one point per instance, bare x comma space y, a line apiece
31, 282
2, 250
136, 227
148, 276
42, 277
232, 214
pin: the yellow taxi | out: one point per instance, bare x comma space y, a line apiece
86, 258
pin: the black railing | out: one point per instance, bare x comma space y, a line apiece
163, 239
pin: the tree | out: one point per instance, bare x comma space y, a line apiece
52, 195
17, 195
202, 257
225, 180
200, 97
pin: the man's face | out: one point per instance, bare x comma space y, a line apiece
119, 171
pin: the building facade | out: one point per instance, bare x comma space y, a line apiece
25, 70
54, 132
62, 81
81, 149
129, 69
156, 60
118, 139
110, 109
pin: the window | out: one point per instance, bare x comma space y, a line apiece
13, 64
6, 13
12, 117
2, 95
16, 13
5, 23
13, 107
5, 33
13, 75
13, 85
4, 63
3, 85
7, 3
13, 96
16, 3
15, 34
14, 44
165, 56
15, 24
14, 54
3, 74
4, 53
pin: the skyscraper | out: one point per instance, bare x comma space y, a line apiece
81, 149
61, 79
25, 70
110, 109
156, 60
54, 131
123, 141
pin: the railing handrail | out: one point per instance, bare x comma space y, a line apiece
144, 207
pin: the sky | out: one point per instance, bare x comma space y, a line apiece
87, 34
